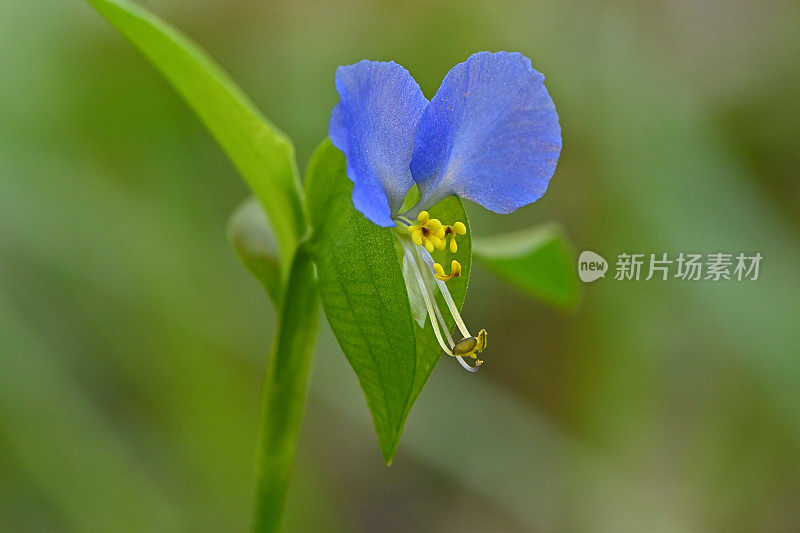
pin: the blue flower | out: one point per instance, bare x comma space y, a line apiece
490, 135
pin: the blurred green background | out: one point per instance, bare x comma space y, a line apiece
132, 342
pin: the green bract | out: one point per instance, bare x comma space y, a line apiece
365, 298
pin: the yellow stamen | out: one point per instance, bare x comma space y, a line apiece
428, 232
481, 340
456, 229
455, 271
434, 225
467, 347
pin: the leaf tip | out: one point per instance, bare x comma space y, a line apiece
389, 448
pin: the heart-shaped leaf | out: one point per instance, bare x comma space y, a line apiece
365, 299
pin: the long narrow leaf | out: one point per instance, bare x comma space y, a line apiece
261, 153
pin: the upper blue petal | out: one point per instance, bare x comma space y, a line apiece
374, 125
490, 135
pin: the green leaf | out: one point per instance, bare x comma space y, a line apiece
285, 390
261, 153
365, 299
363, 294
540, 261
250, 234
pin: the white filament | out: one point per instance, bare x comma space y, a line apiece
429, 295
466, 366
445, 293
425, 296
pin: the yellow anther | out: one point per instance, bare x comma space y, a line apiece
428, 232
455, 271
469, 346
456, 229
481, 340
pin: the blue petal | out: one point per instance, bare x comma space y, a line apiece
374, 125
490, 135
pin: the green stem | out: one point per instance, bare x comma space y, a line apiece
285, 391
